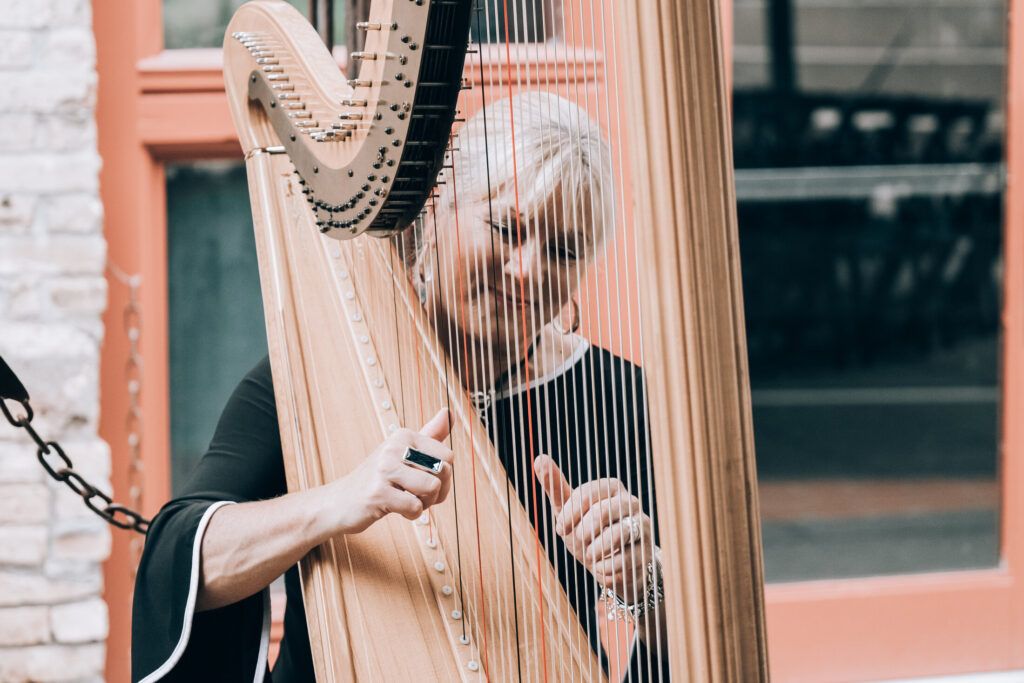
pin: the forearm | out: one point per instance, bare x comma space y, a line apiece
652, 631
247, 546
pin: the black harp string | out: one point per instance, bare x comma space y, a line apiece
460, 312
476, 370
495, 278
513, 478
460, 359
522, 438
395, 275
446, 383
511, 350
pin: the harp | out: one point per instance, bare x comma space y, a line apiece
338, 169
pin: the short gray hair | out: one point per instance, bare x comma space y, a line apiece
558, 149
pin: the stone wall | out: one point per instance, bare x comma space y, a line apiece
53, 621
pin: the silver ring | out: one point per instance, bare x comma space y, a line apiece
632, 522
422, 461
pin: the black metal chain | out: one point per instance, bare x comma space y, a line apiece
61, 468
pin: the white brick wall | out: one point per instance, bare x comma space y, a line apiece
53, 621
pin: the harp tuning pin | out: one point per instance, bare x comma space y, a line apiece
350, 102
368, 26
359, 83
283, 86
363, 56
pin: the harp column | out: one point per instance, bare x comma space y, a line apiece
695, 356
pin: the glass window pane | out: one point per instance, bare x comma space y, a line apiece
529, 21
215, 307
869, 149
202, 23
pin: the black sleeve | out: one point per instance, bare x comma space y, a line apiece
170, 641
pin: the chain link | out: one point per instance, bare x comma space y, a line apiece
132, 322
62, 469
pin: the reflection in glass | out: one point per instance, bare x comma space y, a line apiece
529, 21
201, 23
870, 178
215, 307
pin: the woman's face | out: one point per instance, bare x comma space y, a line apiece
502, 279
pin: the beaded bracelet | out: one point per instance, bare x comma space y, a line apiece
654, 594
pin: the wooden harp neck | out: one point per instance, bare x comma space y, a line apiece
367, 150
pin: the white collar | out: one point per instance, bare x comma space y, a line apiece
580, 350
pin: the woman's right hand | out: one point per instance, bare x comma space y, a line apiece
383, 483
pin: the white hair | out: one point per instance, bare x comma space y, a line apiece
558, 150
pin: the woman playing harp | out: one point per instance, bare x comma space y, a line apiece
498, 263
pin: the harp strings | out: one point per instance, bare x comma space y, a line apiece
506, 648
568, 68
640, 448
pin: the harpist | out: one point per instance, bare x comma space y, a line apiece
201, 602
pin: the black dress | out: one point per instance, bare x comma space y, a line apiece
592, 429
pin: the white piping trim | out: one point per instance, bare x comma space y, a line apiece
190, 604
261, 658
581, 349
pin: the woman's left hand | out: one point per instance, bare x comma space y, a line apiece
604, 527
